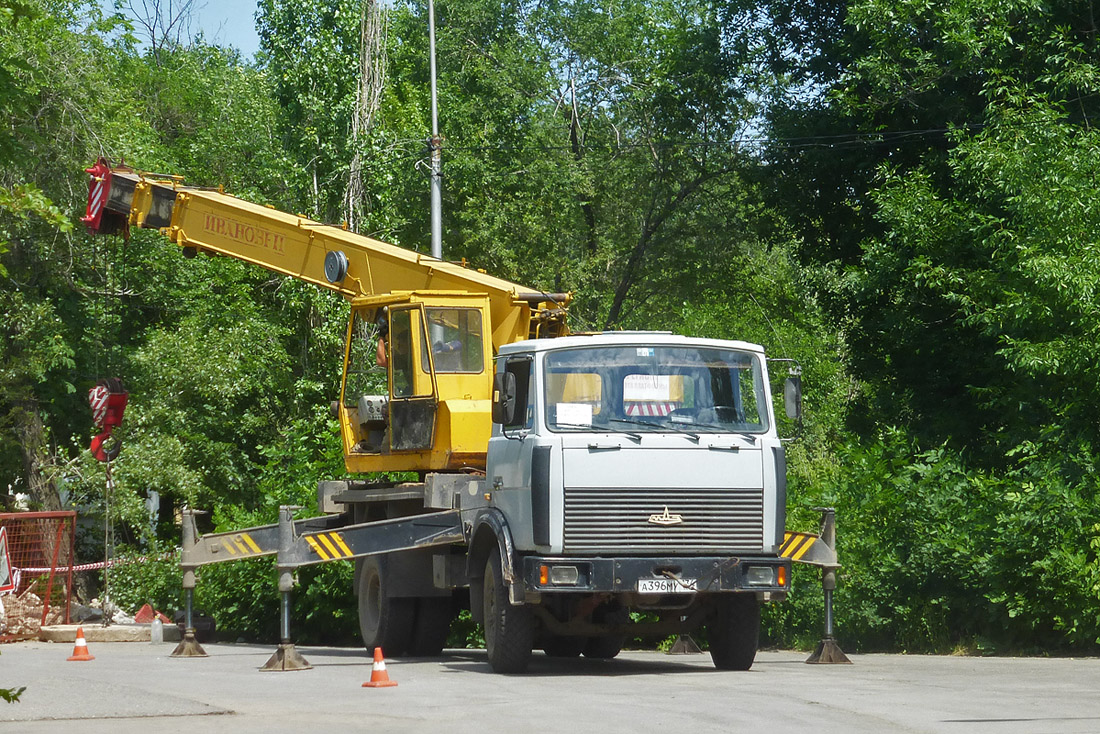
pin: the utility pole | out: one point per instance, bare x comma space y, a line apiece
436, 145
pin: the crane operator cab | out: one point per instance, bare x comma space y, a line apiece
417, 382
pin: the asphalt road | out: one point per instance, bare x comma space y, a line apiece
136, 687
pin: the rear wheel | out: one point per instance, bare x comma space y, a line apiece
509, 630
384, 621
564, 646
604, 648
734, 631
433, 624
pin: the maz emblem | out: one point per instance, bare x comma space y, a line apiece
665, 518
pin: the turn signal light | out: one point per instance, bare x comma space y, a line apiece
781, 577
544, 575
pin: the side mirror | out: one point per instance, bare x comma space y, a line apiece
504, 398
792, 397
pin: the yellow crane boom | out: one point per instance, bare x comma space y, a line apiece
211, 221
445, 320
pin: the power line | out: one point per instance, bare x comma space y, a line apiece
840, 140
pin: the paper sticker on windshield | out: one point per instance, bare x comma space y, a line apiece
574, 414
645, 351
647, 387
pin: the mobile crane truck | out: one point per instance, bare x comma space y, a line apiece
564, 480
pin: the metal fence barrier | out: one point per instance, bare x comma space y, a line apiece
40, 551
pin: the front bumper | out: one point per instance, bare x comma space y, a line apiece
622, 575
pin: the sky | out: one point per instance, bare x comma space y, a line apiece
228, 23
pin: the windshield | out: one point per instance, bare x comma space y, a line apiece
633, 389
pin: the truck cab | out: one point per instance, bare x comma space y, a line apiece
631, 472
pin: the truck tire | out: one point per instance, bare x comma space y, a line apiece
432, 625
734, 631
604, 648
564, 646
384, 621
509, 630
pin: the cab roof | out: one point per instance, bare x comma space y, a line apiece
625, 338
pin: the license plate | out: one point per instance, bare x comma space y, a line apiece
667, 586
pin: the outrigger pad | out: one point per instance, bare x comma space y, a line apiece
684, 645
286, 657
828, 653
189, 647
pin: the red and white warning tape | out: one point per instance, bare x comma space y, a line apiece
98, 565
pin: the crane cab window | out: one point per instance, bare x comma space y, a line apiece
363, 375
456, 339
406, 380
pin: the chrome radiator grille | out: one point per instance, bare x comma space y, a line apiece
619, 519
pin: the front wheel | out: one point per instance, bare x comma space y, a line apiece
734, 631
509, 630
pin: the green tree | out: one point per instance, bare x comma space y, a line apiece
312, 51
946, 160
974, 304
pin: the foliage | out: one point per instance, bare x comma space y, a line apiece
465, 632
937, 556
950, 234
312, 51
243, 596
1008, 271
23, 200
11, 695
146, 576
917, 229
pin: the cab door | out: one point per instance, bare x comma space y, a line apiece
414, 399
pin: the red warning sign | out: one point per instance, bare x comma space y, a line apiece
7, 578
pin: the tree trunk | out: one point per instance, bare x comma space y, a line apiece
368, 98
38, 460
578, 155
655, 217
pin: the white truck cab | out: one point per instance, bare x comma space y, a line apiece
631, 471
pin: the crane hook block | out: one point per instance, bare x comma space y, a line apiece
108, 209
108, 400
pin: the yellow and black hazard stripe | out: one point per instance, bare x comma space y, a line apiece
241, 545
796, 545
328, 545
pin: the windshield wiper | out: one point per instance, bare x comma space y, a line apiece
662, 426
720, 429
634, 435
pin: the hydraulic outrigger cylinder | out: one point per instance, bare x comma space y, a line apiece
827, 650
189, 646
286, 656
819, 550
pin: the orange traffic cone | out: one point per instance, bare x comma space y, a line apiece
80, 651
379, 678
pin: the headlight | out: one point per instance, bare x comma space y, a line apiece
564, 575
559, 575
760, 576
